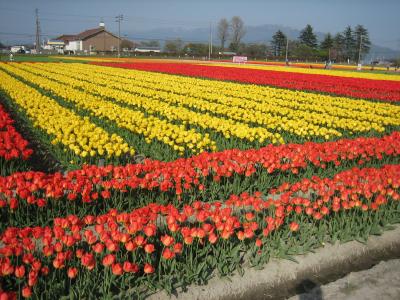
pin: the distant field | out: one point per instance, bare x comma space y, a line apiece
305, 65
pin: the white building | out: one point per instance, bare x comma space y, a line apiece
147, 49
54, 45
16, 49
74, 46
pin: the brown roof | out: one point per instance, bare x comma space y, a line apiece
88, 33
83, 35
66, 37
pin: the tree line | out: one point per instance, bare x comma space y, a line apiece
352, 44
349, 45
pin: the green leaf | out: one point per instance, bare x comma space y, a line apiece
376, 231
289, 257
389, 227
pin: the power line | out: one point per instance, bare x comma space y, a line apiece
127, 17
119, 18
37, 31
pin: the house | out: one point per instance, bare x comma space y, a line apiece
91, 40
54, 45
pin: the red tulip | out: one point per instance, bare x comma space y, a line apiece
129, 267
72, 272
139, 240
19, 271
178, 248
167, 240
212, 238
117, 269
149, 230
294, 226
108, 260
168, 254
148, 269
26, 292
149, 248
88, 261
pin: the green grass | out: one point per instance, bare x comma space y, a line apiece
36, 58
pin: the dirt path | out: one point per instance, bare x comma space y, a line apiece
380, 282
280, 279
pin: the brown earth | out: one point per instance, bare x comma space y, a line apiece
281, 279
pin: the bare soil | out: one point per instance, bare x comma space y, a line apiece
281, 279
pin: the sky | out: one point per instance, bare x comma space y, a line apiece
17, 17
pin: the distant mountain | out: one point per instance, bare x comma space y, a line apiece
254, 34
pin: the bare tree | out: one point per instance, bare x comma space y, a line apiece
238, 31
223, 32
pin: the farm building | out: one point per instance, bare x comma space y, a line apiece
91, 40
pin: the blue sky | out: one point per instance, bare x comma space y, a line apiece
382, 18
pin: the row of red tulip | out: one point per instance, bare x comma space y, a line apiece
186, 175
156, 234
12, 144
384, 90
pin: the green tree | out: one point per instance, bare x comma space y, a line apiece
326, 46
301, 51
255, 50
348, 43
327, 43
361, 41
307, 37
174, 46
196, 49
337, 49
278, 43
2, 45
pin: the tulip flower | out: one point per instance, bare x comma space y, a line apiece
72, 272
26, 292
108, 260
294, 226
148, 269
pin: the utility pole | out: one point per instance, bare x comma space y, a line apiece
287, 48
210, 44
37, 46
211, 36
359, 50
119, 18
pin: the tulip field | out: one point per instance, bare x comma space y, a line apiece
166, 174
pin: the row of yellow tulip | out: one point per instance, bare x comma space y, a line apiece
135, 121
146, 95
304, 114
217, 91
95, 85
221, 92
72, 131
